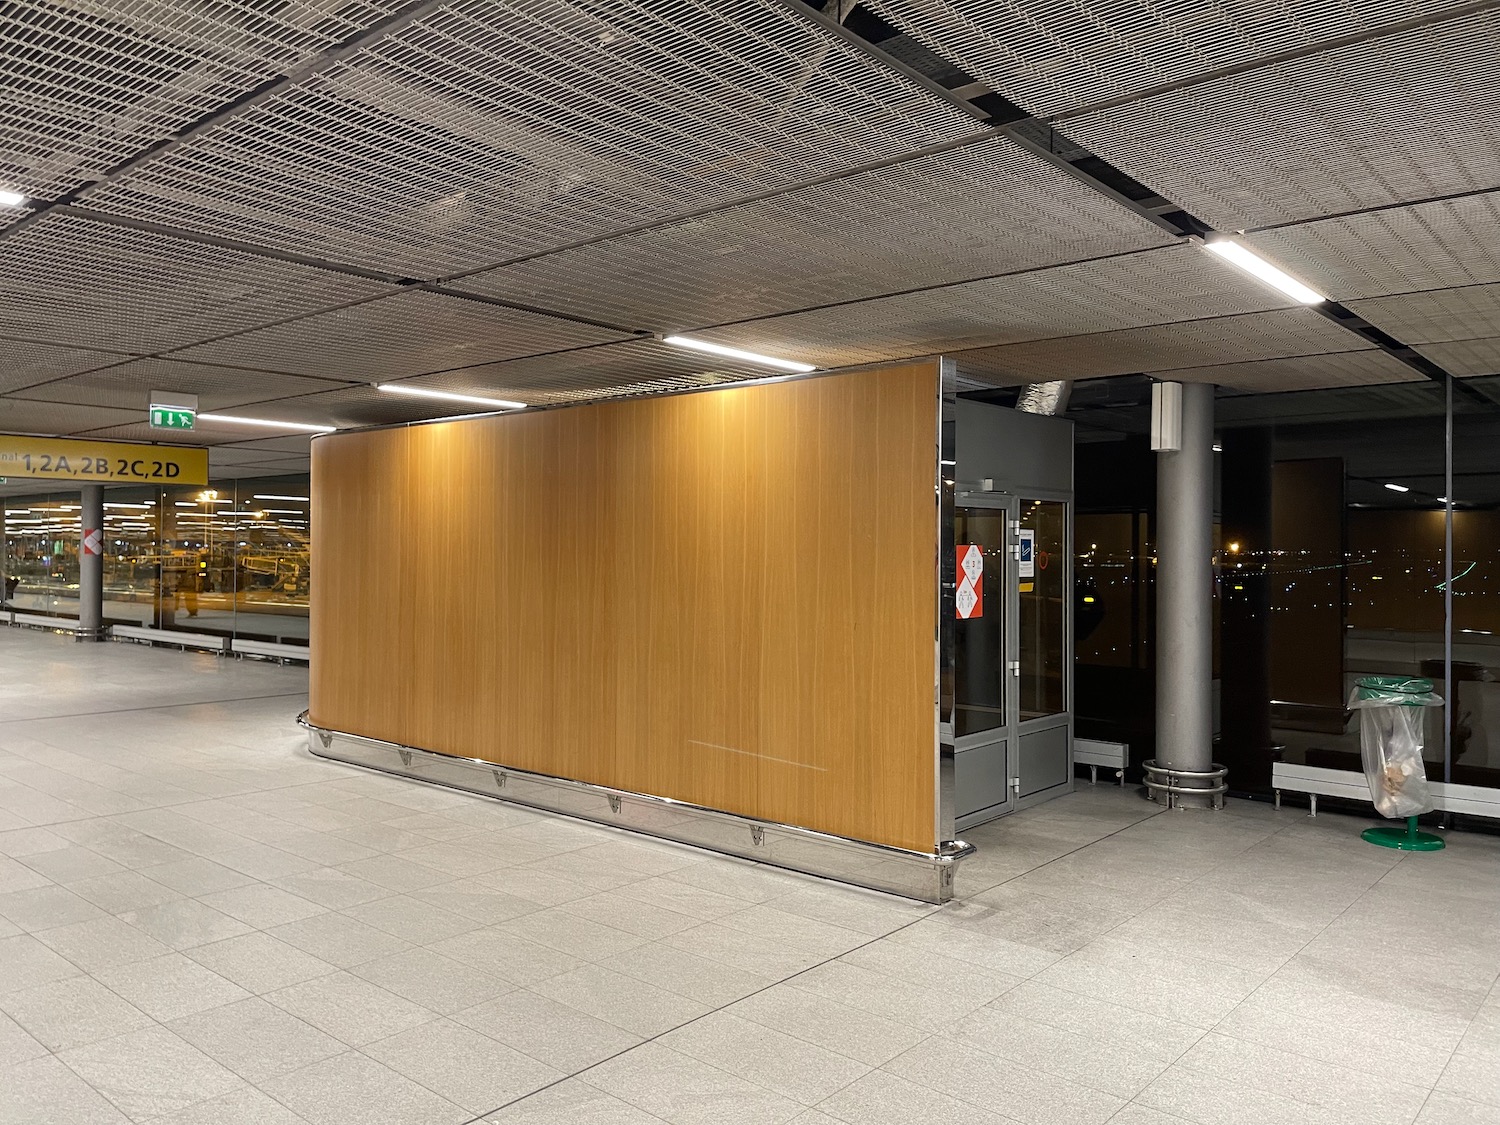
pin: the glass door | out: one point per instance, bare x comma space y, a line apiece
984, 702
1043, 606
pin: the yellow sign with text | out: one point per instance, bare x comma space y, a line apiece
101, 462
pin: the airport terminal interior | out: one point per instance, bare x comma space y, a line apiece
774, 562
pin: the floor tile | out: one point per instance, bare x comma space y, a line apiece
29, 963
196, 876
339, 939
576, 936
150, 1072
184, 923
573, 1102
74, 862
684, 1091
432, 980
106, 941
123, 891
352, 1010
256, 1039
1474, 1077
259, 963
624, 1001
16, 1044
170, 986
43, 1091
72, 1012
331, 887
796, 1068
1449, 1109
882, 1098
41, 908
413, 920
238, 1107
351, 1089
261, 906
506, 956
548, 1030
697, 978
860, 1035
1021, 1092
462, 1065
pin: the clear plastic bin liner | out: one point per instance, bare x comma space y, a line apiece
1390, 741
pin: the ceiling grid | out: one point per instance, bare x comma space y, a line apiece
252, 191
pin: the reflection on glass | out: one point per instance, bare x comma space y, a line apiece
979, 659
1042, 590
230, 559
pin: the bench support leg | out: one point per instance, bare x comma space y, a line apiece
1093, 775
1277, 800
1121, 775
1313, 800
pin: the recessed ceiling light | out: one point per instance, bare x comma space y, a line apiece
736, 353
1398, 488
274, 496
1252, 263
10, 198
448, 396
269, 423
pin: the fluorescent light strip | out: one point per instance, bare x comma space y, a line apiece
1252, 263
735, 353
10, 198
303, 427
269, 496
448, 396
1398, 488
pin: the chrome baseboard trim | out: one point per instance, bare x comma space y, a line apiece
919, 875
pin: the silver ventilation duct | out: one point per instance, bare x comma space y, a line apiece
1045, 398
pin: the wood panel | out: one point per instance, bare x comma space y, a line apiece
724, 597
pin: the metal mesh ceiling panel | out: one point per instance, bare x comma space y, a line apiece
71, 279
129, 385
1165, 347
23, 363
1427, 318
1062, 54
86, 84
1427, 246
1465, 357
347, 407
986, 209
409, 334
1301, 373
1178, 283
636, 367
489, 130
1391, 121
21, 416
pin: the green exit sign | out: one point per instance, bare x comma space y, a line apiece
171, 418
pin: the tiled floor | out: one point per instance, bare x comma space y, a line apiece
201, 924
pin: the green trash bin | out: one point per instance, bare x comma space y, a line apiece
1390, 742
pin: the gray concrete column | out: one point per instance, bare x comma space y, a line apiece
1184, 589
91, 565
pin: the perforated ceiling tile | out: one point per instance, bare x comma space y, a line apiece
23, 362
1447, 314
85, 84
1062, 54
350, 407
1301, 373
1164, 347
409, 334
73, 280
1465, 357
21, 416
985, 209
1425, 246
635, 367
129, 385
1390, 121
489, 130
1177, 283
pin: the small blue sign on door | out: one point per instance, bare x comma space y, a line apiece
1028, 552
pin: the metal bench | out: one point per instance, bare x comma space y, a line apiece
1110, 755
1470, 800
146, 634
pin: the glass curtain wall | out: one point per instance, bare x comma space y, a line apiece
1331, 564
231, 559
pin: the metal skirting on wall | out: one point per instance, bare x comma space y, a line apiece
918, 875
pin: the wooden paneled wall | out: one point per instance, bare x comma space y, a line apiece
723, 597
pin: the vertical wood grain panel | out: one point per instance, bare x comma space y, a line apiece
724, 598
